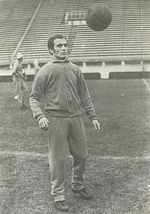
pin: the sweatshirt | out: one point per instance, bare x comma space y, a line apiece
65, 91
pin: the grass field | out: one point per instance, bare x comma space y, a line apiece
118, 166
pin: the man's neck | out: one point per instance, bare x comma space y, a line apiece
54, 59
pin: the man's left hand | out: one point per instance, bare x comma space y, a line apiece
96, 125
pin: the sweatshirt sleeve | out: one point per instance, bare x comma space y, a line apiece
85, 98
38, 90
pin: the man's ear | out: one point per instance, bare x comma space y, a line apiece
51, 51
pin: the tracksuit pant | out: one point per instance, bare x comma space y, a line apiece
62, 131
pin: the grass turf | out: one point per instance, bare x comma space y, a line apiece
117, 167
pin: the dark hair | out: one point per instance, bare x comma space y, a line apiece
50, 43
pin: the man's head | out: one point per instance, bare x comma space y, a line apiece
35, 63
57, 46
19, 56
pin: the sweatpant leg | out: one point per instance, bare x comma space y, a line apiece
78, 149
19, 92
24, 87
17, 83
57, 139
16, 86
23, 92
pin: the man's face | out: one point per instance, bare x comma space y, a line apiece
20, 59
60, 48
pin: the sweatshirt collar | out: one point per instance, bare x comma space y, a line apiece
55, 60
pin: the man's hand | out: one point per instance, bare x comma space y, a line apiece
96, 125
43, 123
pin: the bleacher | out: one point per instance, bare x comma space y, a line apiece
127, 35
126, 38
15, 16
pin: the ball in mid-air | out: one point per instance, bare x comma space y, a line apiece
98, 17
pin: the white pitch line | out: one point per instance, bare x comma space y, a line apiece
16, 153
146, 84
91, 157
97, 157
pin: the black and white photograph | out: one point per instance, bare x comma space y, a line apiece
75, 106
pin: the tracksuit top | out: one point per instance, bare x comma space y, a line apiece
65, 90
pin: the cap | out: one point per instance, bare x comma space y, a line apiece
19, 55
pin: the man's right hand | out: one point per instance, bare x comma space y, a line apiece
43, 123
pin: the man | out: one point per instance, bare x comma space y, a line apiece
19, 77
36, 67
65, 90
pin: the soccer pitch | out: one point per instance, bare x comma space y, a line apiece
118, 166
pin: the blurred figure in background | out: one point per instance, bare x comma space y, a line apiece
19, 77
36, 67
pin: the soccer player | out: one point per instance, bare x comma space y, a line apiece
65, 90
19, 77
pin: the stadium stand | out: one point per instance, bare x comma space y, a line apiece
15, 17
127, 38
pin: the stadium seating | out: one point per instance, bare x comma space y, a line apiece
15, 17
127, 37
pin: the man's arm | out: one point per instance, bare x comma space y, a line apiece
37, 92
86, 102
85, 98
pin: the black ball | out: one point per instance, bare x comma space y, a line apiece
98, 17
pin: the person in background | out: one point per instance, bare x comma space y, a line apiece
19, 77
65, 90
36, 67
